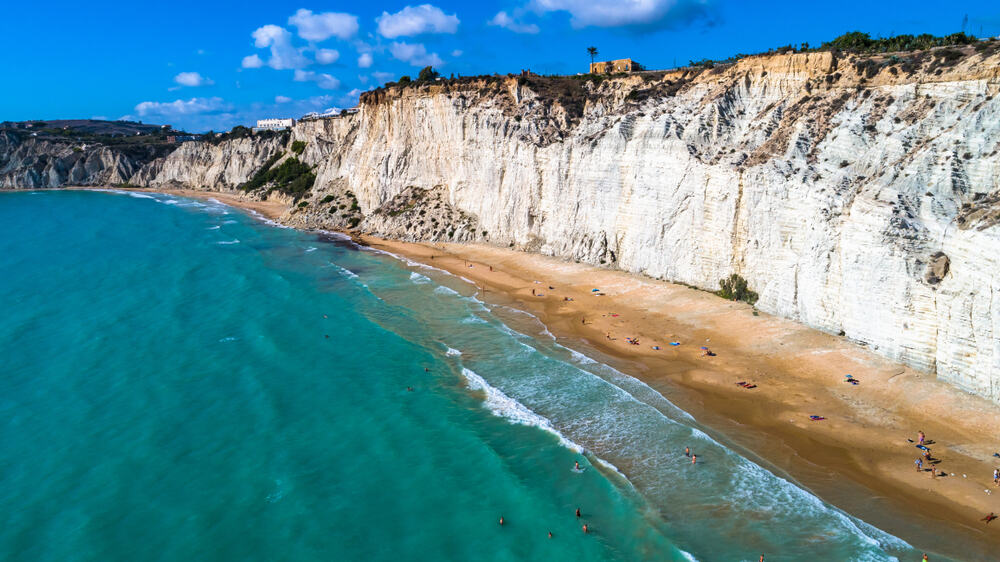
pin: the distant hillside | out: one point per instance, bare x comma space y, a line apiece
88, 127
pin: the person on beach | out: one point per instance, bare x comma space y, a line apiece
920, 464
989, 518
996, 476
921, 437
533, 293
687, 451
924, 559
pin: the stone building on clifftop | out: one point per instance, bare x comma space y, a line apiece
615, 66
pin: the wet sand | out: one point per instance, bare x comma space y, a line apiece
858, 457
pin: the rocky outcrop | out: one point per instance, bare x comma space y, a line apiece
27, 162
202, 165
857, 195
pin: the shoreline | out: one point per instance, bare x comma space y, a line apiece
858, 458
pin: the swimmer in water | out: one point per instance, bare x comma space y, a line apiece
694, 459
576, 465
550, 534
578, 512
501, 520
409, 389
585, 531
687, 451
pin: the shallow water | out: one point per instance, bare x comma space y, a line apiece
169, 392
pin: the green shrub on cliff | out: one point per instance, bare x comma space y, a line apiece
298, 146
735, 288
292, 177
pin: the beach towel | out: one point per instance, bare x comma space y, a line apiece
817, 418
704, 348
675, 343
922, 448
594, 290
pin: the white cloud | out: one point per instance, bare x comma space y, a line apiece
182, 107
192, 79
456, 53
365, 60
414, 20
283, 54
319, 27
282, 99
616, 13
502, 19
327, 56
415, 54
324, 81
252, 61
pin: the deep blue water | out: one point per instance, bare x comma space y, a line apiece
183, 381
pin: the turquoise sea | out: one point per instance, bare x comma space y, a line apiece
183, 381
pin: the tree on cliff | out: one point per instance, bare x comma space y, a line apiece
592, 51
427, 74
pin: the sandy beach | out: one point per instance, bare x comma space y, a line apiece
859, 457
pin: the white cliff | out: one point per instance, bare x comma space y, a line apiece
860, 200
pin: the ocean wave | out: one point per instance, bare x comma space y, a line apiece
229, 339
137, 195
442, 290
266, 220
412, 263
228, 242
513, 411
452, 352
419, 279
311, 249
345, 272
216, 227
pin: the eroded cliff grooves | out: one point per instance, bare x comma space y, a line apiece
857, 195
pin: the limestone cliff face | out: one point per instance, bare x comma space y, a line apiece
202, 165
856, 197
27, 163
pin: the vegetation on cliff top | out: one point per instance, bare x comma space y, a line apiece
858, 42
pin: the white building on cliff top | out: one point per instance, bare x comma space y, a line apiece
274, 124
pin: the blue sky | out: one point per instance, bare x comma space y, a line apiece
212, 65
